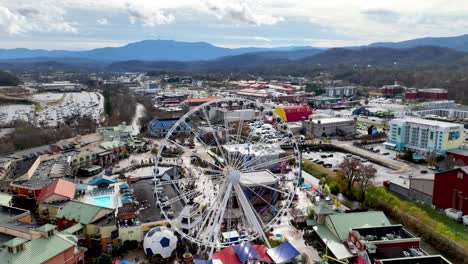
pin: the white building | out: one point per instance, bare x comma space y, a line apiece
344, 91
257, 154
424, 136
235, 115
329, 127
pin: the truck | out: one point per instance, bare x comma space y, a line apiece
453, 214
465, 220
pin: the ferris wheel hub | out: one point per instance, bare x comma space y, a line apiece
233, 175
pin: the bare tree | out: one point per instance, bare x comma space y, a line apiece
451, 162
431, 158
366, 176
350, 168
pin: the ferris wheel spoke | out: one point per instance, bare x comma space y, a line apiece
197, 136
259, 196
228, 140
209, 215
218, 145
184, 196
241, 124
220, 215
216, 172
170, 182
242, 159
268, 163
269, 187
194, 153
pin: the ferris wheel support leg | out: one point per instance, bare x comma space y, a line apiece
220, 214
249, 213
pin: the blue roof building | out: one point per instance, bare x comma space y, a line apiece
160, 127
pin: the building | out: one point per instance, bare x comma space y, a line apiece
429, 94
121, 133
330, 127
424, 136
254, 93
160, 127
232, 115
451, 189
61, 86
421, 188
49, 248
344, 91
294, 113
334, 228
364, 237
99, 228
392, 90
323, 102
192, 102
58, 190
460, 156
43, 171
443, 110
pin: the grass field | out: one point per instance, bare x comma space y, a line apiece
370, 123
316, 170
378, 197
460, 230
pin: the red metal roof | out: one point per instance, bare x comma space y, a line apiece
60, 187
200, 100
261, 250
227, 255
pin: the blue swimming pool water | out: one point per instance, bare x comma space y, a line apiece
103, 201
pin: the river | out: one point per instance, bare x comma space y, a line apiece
139, 112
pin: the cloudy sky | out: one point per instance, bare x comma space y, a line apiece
85, 24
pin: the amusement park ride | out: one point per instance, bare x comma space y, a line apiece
230, 195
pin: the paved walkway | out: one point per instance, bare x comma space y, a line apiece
295, 236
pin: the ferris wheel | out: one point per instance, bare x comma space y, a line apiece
237, 172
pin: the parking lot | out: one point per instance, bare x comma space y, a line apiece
332, 160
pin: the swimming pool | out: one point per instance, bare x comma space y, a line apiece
103, 201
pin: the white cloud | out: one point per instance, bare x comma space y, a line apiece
102, 21
334, 21
147, 16
35, 18
240, 11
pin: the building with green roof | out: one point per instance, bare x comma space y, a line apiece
335, 230
97, 224
48, 248
77, 212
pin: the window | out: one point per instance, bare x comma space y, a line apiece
460, 175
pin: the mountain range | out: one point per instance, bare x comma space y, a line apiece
156, 50
459, 43
200, 56
169, 50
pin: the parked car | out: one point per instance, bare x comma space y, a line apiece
453, 214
